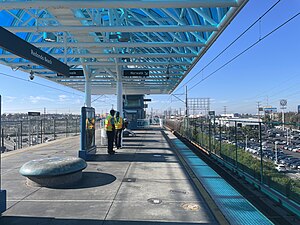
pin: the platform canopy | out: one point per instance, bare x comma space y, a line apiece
108, 39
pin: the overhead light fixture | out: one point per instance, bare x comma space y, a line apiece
49, 37
113, 36
124, 37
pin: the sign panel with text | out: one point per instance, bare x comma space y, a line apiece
16, 45
34, 113
74, 73
136, 73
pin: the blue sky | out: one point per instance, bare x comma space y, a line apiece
268, 72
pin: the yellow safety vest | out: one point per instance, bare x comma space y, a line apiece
108, 125
119, 123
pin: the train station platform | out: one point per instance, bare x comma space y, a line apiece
144, 183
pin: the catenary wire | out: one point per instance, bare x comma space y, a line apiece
225, 49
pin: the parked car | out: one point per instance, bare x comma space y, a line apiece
280, 168
295, 165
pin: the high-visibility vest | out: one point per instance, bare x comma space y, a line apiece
108, 125
119, 123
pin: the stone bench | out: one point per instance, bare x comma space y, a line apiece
53, 172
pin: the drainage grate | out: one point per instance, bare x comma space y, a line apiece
154, 200
178, 191
190, 206
129, 180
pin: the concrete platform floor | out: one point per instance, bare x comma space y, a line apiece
144, 183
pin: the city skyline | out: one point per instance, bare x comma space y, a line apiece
266, 73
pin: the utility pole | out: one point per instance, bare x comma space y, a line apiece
258, 114
225, 107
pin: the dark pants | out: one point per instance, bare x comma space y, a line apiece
110, 141
118, 138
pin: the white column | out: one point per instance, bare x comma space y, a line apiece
88, 88
120, 97
119, 88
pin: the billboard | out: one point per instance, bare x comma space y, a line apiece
270, 110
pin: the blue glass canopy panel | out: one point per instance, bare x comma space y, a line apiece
105, 38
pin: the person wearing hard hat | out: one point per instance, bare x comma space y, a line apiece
110, 131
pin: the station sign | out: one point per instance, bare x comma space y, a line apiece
136, 73
34, 113
16, 45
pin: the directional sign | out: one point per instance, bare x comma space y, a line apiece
34, 113
74, 73
134, 73
16, 45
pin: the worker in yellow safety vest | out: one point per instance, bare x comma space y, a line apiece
119, 127
110, 131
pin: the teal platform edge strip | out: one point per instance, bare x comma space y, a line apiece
232, 204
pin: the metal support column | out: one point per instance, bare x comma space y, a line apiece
120, 97
2, 192
119, 90
88, 91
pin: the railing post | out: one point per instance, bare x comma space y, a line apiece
54, 128
209, 136
236, 145
42, 131
76, 126
29, 130
2, 138
202, 136
21, 134
66, 127
261, 155
220, 137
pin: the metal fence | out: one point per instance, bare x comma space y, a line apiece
251, 147
24, 133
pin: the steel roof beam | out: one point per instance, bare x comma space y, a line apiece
17, 64
114, 4
128, 29
118, 44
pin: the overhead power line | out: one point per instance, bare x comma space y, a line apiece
225, 49
245, 50
43, 85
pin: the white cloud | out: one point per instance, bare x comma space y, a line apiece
9, 98
36, 99
63, 98
78, 101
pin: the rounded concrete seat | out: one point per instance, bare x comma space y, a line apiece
54, 171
